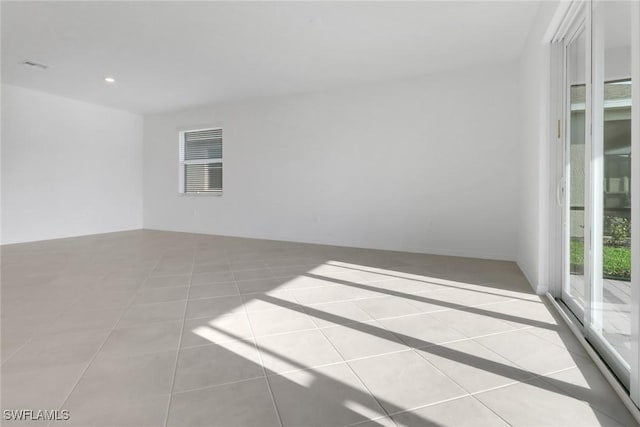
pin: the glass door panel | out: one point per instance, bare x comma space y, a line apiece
599, 123
574, 290
609, 327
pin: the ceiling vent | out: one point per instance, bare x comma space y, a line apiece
35, 64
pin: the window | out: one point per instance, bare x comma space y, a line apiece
201, 161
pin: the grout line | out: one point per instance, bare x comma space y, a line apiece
469, 394
404, 350
283, 373
533, 377
377, 321
54, 318
179, 349
428, 405
16, 351
184, 315
504, 420
357, 376
141, 289
371, 298
352, 323
423, 357
473, 394
84, 371
264, 370
380, 418
227, 383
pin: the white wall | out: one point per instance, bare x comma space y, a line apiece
427, 165
68, 168
534, 168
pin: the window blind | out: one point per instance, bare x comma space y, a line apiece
200, 178
202, 161
203, 144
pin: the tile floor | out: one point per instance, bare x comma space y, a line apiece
150, 328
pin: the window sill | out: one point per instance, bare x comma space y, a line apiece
203, 194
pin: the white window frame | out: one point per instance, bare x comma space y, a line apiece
182, 162
635, 204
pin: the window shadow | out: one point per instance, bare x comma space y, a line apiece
451, 305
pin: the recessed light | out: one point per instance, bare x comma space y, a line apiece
109, 80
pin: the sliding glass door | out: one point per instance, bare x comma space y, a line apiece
597, 176
609, 321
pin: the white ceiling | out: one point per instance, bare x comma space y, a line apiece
174, 55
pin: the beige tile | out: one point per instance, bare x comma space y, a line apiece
474, 367
221, 329
326, 396
151, 313
586, 383
211, 267
259, 285
255, 274
167, 282
238, 265
362, 340
377, 422
472, 324
278, 321
213, 290
105, 298
56, 350
380, 308
211, 278
216, 364
331, 294
149, 296
11, 344
290, 271
402, 285
403, 381
269, 301
537, 403
172, 269
61, 299
100, 411
246, 403
531, 353
303, 281
524, 313
469, 297
125, 283
152, 338
463, 412
39, 387
129, 377
421, 330
214, 307
79, 320
297, 350
561, 336
428, 302
336, 313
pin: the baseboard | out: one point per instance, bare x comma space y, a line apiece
424, 251
72, 236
